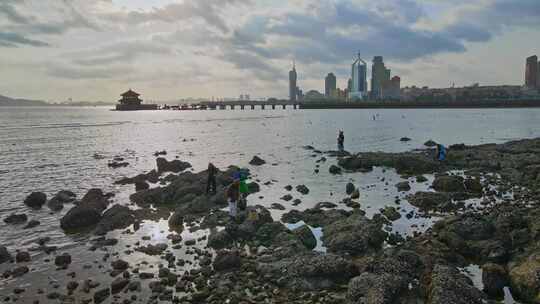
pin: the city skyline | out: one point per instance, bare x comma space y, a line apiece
91, 50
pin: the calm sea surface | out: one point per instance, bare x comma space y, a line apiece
49, 149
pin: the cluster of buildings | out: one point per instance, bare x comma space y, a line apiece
383, 86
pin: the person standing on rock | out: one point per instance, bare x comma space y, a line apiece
233, 193
341, 141
211, 184
244, 191
440, 153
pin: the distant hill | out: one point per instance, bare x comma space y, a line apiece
18, 102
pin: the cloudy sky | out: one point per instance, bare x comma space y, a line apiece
171, 49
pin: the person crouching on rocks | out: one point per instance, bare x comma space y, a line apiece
211, 183
233, 193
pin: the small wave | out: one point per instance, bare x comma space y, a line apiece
66, 125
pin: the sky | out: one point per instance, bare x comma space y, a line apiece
93, 50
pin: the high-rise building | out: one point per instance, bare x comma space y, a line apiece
359, 79
391, 89
293, 89
531, 72
538, 76
379, 75
330, 84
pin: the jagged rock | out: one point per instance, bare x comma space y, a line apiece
277, 206
404, 139
494, 279
118, 284
4, 255
349, 189
87, 212
449, 286
116, 217
403, 186
448, 183
101, 295
35, 200
226, 260
288, 187
334, 169
355, 235
306, 236
16, 218
287, 197
257, 161
174, 166
315, 217
302, 189
119, 265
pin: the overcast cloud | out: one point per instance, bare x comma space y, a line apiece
167, 49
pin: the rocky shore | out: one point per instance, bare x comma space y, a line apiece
485, 197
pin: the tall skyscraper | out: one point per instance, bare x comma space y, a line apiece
359, 79
330, 84
379, 75
538, 76
293, 91
531, 72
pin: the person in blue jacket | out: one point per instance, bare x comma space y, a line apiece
441, 152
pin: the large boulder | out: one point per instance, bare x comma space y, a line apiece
174, 166
334, 169
449, 286
524, 280
432, 201
306, 236
227, 260
355, 235
87, 213
449, 183
370, 288
35, 200
403, 186
116, 217
494, 279
309, 270
219, 239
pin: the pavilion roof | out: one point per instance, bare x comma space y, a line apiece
130, 93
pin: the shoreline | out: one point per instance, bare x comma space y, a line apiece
424, 261
495, 104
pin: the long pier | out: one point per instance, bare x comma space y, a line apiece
281, 104
233, 105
